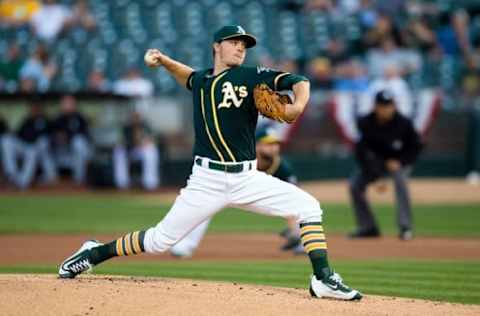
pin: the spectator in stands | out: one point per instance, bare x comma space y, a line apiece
133, 85
471, 77
337, 50
349, 6
389, 54
37, 72
54, 18
320, 73
17, 12
71, 139
351, 76
50, 20
10, 69
81, 16
382, 29
32, 148
367, 14
138, 146
98, 83
393, 82
453, 33
351, 85
418, 34
388, 146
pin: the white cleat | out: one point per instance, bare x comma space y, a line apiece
181, 253
333, 287
79, 262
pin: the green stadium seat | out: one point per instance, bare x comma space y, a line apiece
181, 28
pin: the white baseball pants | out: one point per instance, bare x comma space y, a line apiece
147, 154
189, 243
30, 155
75, 155
209, 191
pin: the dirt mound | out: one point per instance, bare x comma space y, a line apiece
89, 295
30, 249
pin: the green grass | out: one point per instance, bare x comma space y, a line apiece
441, 281
117, 213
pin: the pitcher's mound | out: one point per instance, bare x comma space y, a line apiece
104, 295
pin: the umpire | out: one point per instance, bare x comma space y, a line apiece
388, 146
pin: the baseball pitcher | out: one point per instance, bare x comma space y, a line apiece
270, 162
226, 102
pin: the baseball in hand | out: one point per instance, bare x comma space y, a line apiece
151, 58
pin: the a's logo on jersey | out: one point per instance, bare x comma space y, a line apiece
230, 96
261, 69
240, 30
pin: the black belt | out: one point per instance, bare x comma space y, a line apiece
231, 167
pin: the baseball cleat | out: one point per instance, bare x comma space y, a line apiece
333, 287
79, 262
285, 233
292, 243
299, 250
181, 253
405, 234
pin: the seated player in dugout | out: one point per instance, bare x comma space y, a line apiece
388, 146
270, 162
224, 171
138, 146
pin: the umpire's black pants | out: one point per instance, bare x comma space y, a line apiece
363, 213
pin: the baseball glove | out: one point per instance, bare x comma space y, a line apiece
270, 103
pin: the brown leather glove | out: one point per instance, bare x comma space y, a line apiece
270, 103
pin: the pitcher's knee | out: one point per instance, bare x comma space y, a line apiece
157, 240
310, 210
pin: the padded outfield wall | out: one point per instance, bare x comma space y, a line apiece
315, 149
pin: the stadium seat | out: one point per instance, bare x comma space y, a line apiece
182, 28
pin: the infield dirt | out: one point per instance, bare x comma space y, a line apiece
100, 295
103, 295
52, 249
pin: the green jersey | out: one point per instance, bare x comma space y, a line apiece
224, 112
281, 169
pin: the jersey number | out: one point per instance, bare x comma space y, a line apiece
229, 93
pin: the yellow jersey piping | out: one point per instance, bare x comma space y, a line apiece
214, 110
207, 129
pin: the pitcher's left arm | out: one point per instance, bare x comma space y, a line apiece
301, 90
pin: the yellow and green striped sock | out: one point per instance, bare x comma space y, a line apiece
129, 244
315, 244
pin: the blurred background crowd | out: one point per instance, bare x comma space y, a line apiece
427, 53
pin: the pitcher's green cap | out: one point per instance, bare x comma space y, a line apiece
234, 31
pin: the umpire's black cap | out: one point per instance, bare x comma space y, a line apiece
384, 97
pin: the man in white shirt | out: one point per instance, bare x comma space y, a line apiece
379, 59
393, 82
133, 85
50, 20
